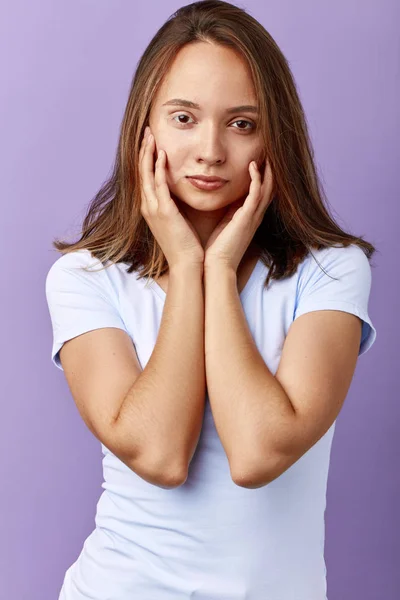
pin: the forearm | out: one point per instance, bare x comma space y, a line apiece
165, 405
251, 411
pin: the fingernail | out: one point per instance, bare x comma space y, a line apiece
146, 131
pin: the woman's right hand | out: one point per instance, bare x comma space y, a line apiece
172, 230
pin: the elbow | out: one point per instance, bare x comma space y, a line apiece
253, 475
171, 478
253, 482
170, 473
251, 479
166, 476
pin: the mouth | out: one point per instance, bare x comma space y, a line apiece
207, 178
209, 183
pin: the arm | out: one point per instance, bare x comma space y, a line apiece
149, 418
267, 422
165, 405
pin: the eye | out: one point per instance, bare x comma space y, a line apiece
180, 115
250, 124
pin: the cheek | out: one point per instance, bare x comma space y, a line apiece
172, 171
243, 184
242, 173
241, 180
175, 165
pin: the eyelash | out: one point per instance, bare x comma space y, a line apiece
237, 121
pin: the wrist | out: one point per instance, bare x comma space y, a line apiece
219, 273
186, 270
220, 267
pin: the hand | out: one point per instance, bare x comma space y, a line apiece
234, 233
172, 230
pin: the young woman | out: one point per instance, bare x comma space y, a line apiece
209, 331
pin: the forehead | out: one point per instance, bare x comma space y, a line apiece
208, 74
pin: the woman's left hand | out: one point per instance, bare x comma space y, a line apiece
234, 233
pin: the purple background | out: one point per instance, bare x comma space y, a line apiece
66, 72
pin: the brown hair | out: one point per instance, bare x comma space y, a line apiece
297, 218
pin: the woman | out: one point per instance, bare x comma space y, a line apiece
212, 346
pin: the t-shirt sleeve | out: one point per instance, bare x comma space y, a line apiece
79, 300
345, 286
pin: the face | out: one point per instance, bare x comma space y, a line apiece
209, 139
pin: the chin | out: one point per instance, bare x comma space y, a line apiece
207, 201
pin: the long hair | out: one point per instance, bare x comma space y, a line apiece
297, 218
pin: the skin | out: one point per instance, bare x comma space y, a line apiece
208, 140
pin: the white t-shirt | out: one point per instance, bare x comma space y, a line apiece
209, 538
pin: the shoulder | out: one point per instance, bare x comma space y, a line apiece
79, 271
78, 259
337, 278
336, 261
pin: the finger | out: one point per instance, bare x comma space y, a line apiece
148, 173
252, 200
142, 146
144, 205
267, 185
266, 190
160, 182
143, 199
140, 159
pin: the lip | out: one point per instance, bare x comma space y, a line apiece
206, 178
214, 184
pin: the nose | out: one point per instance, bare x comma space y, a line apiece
209, 148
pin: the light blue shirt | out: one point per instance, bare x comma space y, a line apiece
207, 539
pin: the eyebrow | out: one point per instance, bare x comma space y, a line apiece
190, 104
